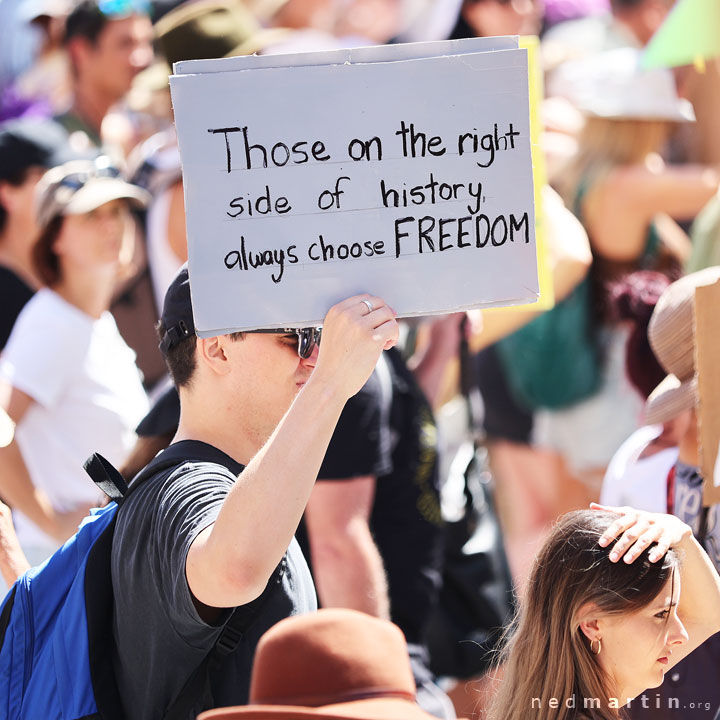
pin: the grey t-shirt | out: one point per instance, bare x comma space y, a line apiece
159, 637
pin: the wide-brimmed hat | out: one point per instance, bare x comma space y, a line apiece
328, 665
671, 333
613, 85
82, 186
205, 29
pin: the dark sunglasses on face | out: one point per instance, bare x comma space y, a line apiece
307, 338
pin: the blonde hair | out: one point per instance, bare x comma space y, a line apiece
607, 143
547, 658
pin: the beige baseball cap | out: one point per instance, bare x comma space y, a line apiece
81, 186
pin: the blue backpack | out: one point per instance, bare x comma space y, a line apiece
56, 634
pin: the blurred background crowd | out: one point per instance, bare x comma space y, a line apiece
590, 400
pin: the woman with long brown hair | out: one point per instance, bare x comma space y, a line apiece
616, 598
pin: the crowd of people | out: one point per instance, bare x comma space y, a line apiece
296, 468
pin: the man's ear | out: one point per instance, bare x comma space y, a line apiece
589, 615
6, 195
211, 352
79, 50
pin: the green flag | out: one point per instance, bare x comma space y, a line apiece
690, 33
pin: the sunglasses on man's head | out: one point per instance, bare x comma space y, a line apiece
101, 168
113, 8
307, 338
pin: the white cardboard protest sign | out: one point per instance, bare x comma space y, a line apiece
411, 180
372, 53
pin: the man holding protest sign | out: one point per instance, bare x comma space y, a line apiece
197, 548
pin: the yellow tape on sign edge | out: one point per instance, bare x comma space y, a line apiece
535, 91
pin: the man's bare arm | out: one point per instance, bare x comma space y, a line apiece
230, 562
347, 565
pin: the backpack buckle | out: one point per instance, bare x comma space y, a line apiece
228, 641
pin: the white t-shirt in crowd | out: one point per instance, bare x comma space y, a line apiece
88, 397
639, 482
164, 263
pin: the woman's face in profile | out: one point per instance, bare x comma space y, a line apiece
637, 647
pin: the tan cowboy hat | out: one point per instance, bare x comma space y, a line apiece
205, 29
671, 333
332, 664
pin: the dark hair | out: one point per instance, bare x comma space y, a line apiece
44, 258
15, 179
86, 21
180, 359
624, 4
573, 551
633, 299
462, 28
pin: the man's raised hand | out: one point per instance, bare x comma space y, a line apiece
355, 332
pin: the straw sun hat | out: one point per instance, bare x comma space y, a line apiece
671, 333
332, 664
613, 85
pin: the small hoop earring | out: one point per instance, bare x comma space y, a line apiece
599, 646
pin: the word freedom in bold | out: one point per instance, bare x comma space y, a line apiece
427, 234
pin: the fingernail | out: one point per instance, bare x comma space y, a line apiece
629, 558
603, 541
613, 556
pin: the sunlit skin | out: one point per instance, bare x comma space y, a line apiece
272, 375
93, 240
637, 647
489, 18
300, 14
122, 50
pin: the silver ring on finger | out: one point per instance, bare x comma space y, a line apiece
369, 305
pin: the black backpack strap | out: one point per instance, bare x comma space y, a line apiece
5, 616
228, 641
109, 479
98, 584
113, 484
106, 477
